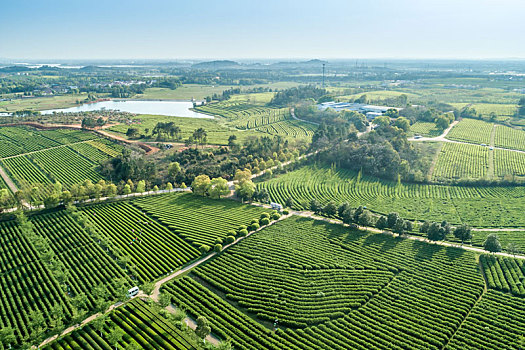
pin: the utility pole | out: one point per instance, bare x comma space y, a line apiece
323, 75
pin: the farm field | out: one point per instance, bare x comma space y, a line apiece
472, 131
508, 163
243, 113
198, 220
496, 322
425, 129
142, 327
460, 161
66, 156
477, 206
504, 274
132, 233
217, 133
506, 137
395, 316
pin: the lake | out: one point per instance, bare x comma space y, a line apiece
169, 108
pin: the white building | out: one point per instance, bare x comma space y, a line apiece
370, 111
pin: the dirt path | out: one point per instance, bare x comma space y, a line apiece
193, 325
292, 113
8, 180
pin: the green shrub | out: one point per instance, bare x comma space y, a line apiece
264, 221
218, 241
276, 216
265, 215
243, 232
217, 248
229, 239
254, 226
286, 212
204, 248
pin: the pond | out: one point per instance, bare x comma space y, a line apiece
169, 108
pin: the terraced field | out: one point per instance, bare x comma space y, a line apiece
142, 328
396, 316
275, 121
478, 206
198, 220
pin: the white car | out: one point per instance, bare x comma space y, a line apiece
417, 137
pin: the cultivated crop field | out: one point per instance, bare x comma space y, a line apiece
198, 220
477, 206
132, 233
142, 327
246, 116
425, 129
472, 131
506, 137
40, 157
400, 314
461, 161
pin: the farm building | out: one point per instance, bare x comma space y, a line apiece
370, 111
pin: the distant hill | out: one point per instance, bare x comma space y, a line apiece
314, 62
216, 64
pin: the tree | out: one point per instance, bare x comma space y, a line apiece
315, 206
513, 249
164, 300
7, 336
442, 122
365, 219
174, 169
330, 209
204, 248
399, 227
231, 141
424, 227
218, 187
245, 190
203, 329
115, 336
132, 132
200, 136
217, 248
402, 123
382, 120
382, 222
169, 186
436, 232
289, 202
392, 219
126, 190
492, 244
463, 233
141, 186
200, 185
36, 323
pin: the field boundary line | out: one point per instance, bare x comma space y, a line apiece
485, 289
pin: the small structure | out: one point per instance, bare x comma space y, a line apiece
133, 292
276, 206
370, 111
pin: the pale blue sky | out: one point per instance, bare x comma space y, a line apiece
262, 29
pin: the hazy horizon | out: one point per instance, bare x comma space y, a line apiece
285, 29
